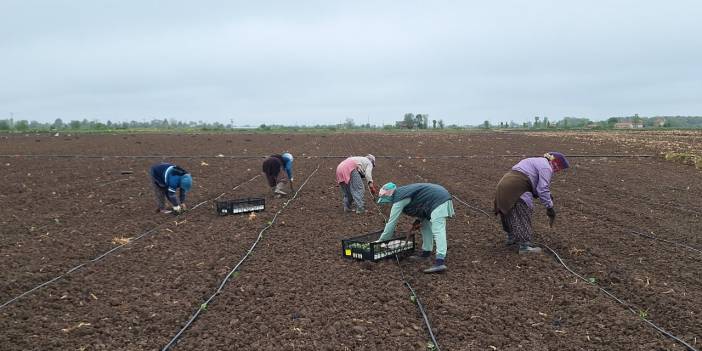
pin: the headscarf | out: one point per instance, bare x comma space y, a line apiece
557, 160
186, 182
371, 158
386, 192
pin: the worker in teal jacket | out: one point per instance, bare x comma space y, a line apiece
431, 204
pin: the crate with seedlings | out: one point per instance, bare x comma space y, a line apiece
228, 207
368, 248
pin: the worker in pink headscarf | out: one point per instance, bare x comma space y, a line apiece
350, 174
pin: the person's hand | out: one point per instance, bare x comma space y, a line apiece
373, 189
292, 179
416, 225
177, 209
551, 213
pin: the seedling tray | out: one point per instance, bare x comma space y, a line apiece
366, 248
237, 206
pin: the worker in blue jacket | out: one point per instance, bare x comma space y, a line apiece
278, 170
166, 179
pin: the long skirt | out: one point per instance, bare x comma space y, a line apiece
517, 223
353, 191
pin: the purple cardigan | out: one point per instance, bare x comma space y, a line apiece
539, 172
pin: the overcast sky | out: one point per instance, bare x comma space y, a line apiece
295, 62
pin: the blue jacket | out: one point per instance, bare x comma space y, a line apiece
167, 177
424, 198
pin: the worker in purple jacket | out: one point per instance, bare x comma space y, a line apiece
167, 179
529, 179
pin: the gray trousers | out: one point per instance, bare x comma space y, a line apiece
160, 196
353, 191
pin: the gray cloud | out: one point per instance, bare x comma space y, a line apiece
320, 62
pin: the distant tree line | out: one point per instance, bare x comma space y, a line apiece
410, 121
93, 125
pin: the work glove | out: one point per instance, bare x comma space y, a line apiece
177, 209
416, 225
292, 179
551, 213
373, 189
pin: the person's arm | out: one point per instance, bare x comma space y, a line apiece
543, 189
369, 172
395, 213
182, 196
171, 195
288, 169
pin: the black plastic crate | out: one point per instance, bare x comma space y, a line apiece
228, 207
366, 248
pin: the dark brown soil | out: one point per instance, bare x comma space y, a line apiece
296, 292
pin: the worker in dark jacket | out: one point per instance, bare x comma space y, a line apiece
527, 180
431, 204
278, 170
166, 179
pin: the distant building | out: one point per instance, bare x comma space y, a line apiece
624, 125
628, 125
401, 125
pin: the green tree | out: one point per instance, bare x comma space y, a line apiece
58, 124
22, 125
486, 124
441, 124
4, 124
409, 120
434, 123
349, 123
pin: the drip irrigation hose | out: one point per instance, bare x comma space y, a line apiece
469, 206
103, 255
419, 305
307, 156
204, 305
649, 236
620, 301
407, 284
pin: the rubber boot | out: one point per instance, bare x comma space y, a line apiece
528, 248
423, 256
510, 240
438, 267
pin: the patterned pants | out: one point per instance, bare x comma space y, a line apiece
517, 223
353, 192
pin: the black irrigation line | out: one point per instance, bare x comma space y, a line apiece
103, 255
613, 297
412, 291
649, 236
204, 305
419, 305
620, 301
306, 156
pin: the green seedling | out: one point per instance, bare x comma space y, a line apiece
643, 314
431, 346
203, 307
413, 299
592, 280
